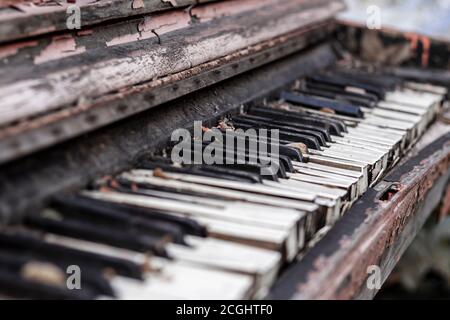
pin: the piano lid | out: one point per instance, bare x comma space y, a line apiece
20, 19
57, 76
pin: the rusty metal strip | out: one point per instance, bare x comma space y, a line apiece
375, 231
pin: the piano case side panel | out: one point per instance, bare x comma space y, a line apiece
375, 231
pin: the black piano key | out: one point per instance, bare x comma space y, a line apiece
281, 165
248, 168
224, 170
292, 153
85, 208
319, 104
323, 117
188, 226
92, 279
261, 123
348, 82
26, 243
310, 141
254, 166
387, 82
338, 96
282, 115
13, 285
289, 167
285, 162
98, 233
200, 170
368, 97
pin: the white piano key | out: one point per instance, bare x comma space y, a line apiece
208, 252
233, 211
228, 256
438, 91
409, 97
180, 281
358, 176
144, 176
237, 228
402, 108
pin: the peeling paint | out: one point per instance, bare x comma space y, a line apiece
60, 47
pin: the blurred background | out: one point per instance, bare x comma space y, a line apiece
430, 17
424, 270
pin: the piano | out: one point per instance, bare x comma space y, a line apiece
328, 145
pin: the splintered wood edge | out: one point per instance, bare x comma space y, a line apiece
373, 231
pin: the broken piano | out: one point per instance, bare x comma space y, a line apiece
87, 178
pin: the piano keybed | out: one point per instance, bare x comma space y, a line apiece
174, 231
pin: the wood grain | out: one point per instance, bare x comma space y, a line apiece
22, 19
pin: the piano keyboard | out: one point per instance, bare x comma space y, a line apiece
169, 231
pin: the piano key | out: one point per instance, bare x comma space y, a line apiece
165, 278
81, 207
226, 210
362, 182
278, 239
14, 285
39, 268
331, 126
348, 83
310, 139
263, 266
233, 188
88, 231
292, 153
25, 243
319, 104
321, 133
426, 87
205, 252
330, 199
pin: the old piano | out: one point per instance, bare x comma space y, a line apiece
88, 181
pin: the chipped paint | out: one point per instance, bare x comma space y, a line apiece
12, 49
137, 4
60, 47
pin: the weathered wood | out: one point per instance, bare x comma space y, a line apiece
35, 134
22, 19
26, 183
30, 91
374, 231
40, 50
